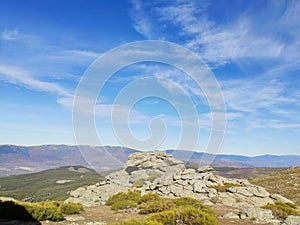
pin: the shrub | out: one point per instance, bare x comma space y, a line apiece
157, 205
223, 188
150, 197
70, 208
191, 202
193, 216
138, 183
125, 204
282, 210
44, 211
168, 217
187, 201
52, 211
134, 196
184, 215
137, 222
12, 210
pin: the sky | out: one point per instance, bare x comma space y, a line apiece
251, 47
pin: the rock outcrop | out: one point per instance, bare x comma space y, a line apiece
158, 172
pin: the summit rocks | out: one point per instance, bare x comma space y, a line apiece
158, 172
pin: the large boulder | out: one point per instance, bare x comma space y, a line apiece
292, 220
257, 213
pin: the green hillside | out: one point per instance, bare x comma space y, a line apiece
284, 182
53, 184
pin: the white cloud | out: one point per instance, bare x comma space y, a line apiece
142, 24
17, 36
67, 56
9, 35
220, 43
19, 76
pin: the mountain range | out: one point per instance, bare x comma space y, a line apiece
28, 159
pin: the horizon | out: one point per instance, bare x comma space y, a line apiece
162, 150
252, 49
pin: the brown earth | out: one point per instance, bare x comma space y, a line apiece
105, 215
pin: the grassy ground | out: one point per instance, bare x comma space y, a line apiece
42, 186
284, 182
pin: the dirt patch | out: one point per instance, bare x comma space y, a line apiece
105, 215
99, 214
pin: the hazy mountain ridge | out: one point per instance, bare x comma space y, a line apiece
21, 159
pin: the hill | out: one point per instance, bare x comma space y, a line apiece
284, 182
20, 159
53, 184
28, 159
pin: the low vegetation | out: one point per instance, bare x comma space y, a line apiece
34, 187
134, 196
137, 222
163, 211
282, 210
53, 211
284, 182
124, 204
223, 188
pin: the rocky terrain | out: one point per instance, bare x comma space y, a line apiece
158, 172
284, 182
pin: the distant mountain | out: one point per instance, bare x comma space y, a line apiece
21, 159
221, 160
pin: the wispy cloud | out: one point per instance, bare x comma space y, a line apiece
141, 22
9, 35
220, 43
18, 36
19, 76
70, 56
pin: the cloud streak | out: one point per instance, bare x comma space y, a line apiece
19, 76
220, 43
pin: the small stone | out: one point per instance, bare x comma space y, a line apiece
231, 215
205, 169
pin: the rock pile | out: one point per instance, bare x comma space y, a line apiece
158, 172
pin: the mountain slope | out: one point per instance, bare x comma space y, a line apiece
53, 184
284, 182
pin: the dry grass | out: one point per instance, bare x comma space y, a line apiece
285, 183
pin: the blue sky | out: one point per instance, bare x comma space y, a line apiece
252, 47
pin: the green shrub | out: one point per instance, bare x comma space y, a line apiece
168, 217
70, 208
184, 215
187, 201
125, 204
157, 205
194, 216
52, 211
136, 222
134, 196
138, 183
150, 197
282, 210
44, 211
223, 188
193, 203
12, 210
